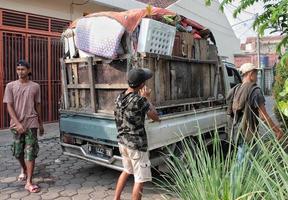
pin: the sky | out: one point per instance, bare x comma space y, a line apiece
242, 25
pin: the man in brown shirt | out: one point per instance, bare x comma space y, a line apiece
23, 104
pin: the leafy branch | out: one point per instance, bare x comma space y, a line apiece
273, 19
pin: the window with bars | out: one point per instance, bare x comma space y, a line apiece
36, 22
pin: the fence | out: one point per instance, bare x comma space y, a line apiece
36, 39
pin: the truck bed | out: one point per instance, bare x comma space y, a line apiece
101, 130
91, 85
188, 95
172, 127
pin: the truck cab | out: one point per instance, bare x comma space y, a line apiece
233, 76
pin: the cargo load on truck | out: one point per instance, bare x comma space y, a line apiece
135, 31
188, 86
120, 40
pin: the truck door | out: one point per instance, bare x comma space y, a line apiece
233, 76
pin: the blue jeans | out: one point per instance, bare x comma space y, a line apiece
244, 153
243, 150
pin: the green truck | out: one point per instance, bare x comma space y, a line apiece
188, 91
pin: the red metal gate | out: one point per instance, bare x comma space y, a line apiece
36, 39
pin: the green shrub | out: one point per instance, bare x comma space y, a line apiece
201, 176
280, 79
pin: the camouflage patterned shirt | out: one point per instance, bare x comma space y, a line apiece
130, 114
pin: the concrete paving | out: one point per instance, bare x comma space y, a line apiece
63, 177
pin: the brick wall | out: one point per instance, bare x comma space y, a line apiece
252, 58
239, 60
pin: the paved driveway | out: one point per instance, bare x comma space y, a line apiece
63, 177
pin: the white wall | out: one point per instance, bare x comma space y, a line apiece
54, 8
212, 18
122, 4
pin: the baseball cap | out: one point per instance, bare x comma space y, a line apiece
23, 63
137, 76
247, 67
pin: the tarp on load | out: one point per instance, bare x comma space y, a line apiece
129, 19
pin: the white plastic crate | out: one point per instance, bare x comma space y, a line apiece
156, 37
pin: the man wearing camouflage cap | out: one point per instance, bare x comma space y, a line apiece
132, 106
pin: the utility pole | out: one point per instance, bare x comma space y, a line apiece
258, 58
258, 51
258, 61
258, 45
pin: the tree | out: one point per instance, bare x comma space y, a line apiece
273, 19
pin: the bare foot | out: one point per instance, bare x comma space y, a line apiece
22, 177
32, 188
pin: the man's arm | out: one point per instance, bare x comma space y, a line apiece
38, 110
18, 126
267, 119
152, 113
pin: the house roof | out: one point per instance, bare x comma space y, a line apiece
158, 3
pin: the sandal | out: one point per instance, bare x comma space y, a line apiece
32, 188
22, 177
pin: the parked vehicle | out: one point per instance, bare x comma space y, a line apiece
188, 89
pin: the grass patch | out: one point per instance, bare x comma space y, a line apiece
196, 173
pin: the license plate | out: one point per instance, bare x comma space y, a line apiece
100, 150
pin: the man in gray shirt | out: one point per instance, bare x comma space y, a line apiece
246, 104
23, 104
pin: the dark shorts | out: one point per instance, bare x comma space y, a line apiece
25, 144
